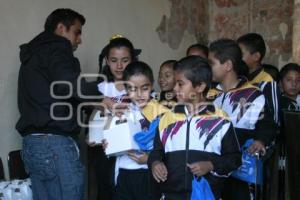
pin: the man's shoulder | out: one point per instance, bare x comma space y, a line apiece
50, 42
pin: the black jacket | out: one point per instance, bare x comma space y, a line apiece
269, 88
208, 136
44, 60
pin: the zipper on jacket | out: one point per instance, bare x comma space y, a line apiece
223, 99
187, 151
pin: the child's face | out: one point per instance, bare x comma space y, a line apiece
218, 69
248, 58
166, 78
118, 59
290, 84
139, 89
184, 89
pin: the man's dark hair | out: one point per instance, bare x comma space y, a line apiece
170, 63
227, 49
65, 16
287, 68
196, 69
200, 47
138, 68
253, 42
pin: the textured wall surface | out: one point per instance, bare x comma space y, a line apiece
271, 18
210, 20
296, 32
186, 16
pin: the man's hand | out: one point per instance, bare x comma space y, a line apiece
140, 158
201, 168
159, 171
104, 144
108, 102
257, 147
117, 108
92, 144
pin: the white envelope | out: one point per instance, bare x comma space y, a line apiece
120, 136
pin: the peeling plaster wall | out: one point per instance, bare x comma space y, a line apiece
186, 16
271, 18
296, 32
208, 20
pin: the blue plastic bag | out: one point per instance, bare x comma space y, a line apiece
144, 139
251, 170
201, 189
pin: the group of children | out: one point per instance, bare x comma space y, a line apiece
211, 102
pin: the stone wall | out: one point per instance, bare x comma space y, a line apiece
296, 32
189, 16
210, 20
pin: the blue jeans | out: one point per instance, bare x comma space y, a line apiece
53, 164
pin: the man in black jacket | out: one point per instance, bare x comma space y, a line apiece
49, 91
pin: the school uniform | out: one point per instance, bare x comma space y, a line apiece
246, 107
213, 93
133, 180
183, 139
286, 103
167, 100
269, 88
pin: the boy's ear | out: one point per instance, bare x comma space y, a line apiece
200, 88
228, 65
256, 56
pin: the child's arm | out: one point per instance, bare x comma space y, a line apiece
155, 160
264, 132
262, 127
265, 128
201, 168
159, 171
271, 92
230, 158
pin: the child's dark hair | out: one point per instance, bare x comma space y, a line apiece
227, 49
287, 68
272, 70
254, 42
170, 63
65, 16
200, 47
115, 43
138, 68
196, 69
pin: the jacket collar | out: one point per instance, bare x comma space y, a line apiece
209, 108
255, 73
